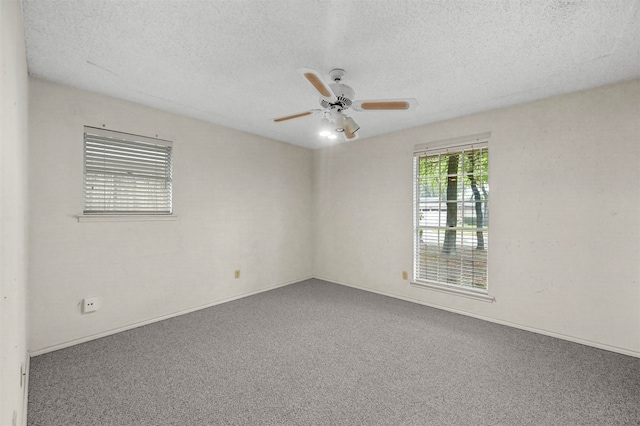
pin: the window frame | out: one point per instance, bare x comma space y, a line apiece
163, 148
437, 148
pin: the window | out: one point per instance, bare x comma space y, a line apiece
126, 174
451, 202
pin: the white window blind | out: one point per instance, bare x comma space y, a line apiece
451, 202
126, 174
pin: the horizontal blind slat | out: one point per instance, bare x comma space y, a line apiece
129, 140
120, 156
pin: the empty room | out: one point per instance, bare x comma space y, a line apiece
319, 212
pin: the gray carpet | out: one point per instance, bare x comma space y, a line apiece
316, 353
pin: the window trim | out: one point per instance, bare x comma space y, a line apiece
445, 145
480, 140
458, 291
125, 216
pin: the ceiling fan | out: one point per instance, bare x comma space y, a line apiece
336, 98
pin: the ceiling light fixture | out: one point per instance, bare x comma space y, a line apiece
351, 125
325, 127
338, 119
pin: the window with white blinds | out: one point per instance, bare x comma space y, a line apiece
451, 202
126, 174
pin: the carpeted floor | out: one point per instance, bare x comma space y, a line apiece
316, 353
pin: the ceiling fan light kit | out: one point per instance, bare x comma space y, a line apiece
337, 97
325, 127
350, 125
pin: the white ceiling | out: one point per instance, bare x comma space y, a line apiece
235, 63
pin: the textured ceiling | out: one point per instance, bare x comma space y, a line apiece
235, 63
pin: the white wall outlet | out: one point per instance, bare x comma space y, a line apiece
90, 304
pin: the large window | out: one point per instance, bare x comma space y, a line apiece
452, 214
126, 174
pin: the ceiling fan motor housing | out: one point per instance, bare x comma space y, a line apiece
344, 93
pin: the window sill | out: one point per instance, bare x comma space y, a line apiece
485, 297
125, 218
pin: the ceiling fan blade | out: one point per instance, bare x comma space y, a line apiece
318, 82
385, 104
289, 117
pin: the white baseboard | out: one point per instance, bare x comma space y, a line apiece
27, 367
573, 339
156, 319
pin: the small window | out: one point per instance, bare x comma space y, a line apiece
452, 215
126, 174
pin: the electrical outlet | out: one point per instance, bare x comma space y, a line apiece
405, 275
90, 304
237, 273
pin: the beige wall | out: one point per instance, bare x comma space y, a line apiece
564, 227
13, 207
242, 202
565, 239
